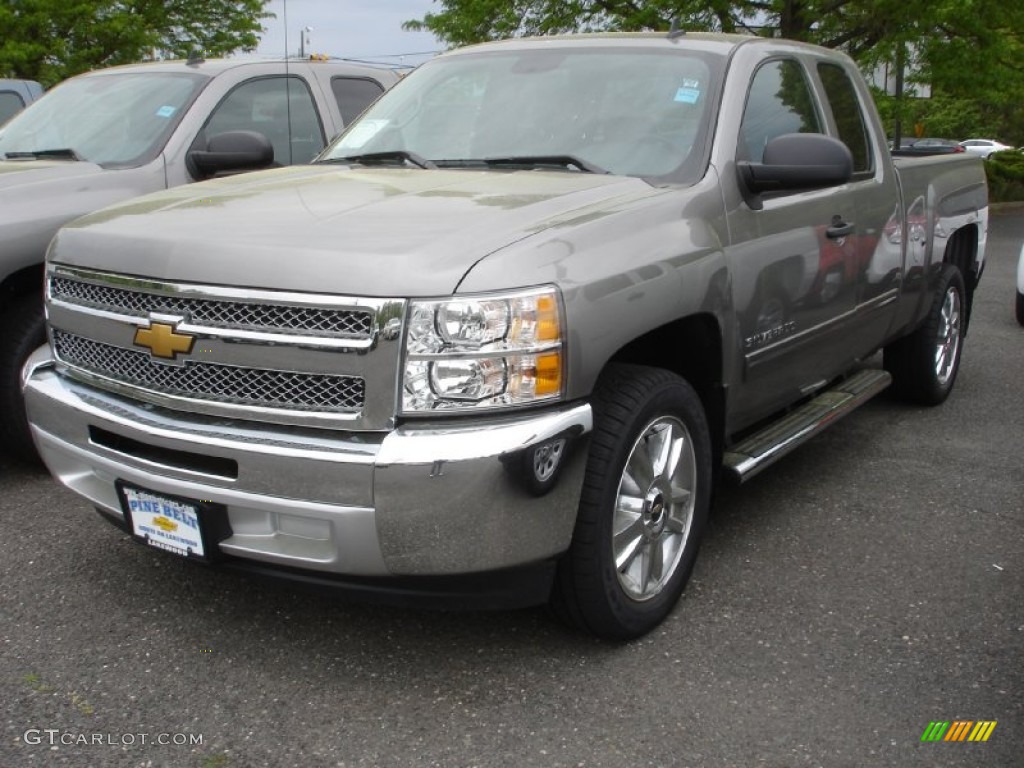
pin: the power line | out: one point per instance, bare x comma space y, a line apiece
399, 55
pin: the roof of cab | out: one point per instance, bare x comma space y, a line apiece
214, 67
709, 41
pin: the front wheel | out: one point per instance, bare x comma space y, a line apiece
925, 363
1020, 307
24, 331
644, 504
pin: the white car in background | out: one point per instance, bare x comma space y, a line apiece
1020, 288
983, 147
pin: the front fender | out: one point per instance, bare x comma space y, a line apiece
624, 270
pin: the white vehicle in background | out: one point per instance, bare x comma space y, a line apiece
983, 147
1020, 288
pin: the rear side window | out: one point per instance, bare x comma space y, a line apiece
847, 112
280, 108
10, 104
354, 94
779, 102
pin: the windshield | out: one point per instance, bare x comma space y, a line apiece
114, 120
625, 111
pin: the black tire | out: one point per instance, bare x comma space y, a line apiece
924, 364
637, 408
1020, 307
24, 331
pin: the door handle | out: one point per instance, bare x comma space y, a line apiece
839, 228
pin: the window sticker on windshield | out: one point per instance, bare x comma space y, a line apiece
362, 133
688, 94
166, 111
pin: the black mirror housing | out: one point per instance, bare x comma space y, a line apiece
233, 152
797, 161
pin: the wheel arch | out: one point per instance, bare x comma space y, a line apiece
21, 283
690, 347
962, 251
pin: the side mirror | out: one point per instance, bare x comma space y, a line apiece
796, 161
233, 152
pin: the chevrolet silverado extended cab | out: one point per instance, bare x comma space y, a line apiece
497, 343
116, 133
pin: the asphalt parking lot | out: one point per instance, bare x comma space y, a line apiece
868, 585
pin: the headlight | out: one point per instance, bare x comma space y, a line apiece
483, 352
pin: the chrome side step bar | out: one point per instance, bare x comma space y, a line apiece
762, 449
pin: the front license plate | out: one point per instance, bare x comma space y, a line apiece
163, 522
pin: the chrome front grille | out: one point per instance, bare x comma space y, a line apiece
271, 318
207, 381
302, 359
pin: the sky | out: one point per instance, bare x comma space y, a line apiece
351, 29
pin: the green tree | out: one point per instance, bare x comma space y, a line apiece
970, 52
853, 24
860, 27
49, 40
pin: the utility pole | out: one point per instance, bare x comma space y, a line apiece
304, 41
898, 122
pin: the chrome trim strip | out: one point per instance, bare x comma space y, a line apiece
540, 349
216, 292
880, 301
38, 360
283, 416
333, 343
415, 444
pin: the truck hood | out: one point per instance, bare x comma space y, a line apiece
348, 231
17, 174
39, 196
29, 189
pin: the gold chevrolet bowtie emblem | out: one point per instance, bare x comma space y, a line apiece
164, 524
163, 341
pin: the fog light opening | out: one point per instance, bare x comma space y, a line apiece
542, 463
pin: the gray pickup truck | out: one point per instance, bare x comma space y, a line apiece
15, 95
117, 133
496, 345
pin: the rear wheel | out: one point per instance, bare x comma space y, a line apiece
24, 331
644, 504
925, 363
1020, 308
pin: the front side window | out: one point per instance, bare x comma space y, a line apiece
630, 112
280, 108
848, 115
779, 102
114, 120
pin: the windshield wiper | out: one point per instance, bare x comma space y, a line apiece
532, 161
384, 157
39, 154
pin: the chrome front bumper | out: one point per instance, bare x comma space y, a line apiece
426, 499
